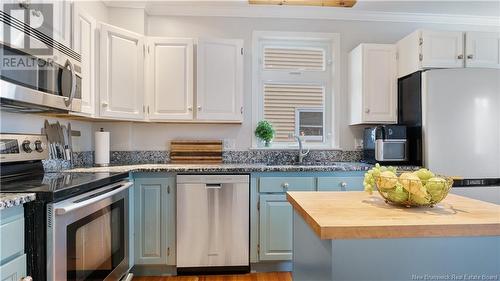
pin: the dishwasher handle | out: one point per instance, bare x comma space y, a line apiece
213, 185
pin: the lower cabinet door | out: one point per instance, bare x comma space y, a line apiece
152, 220
275, 228
14, 270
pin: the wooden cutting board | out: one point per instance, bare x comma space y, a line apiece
196, 152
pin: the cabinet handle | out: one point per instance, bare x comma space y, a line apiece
343, 186
460, 57
470, 57
285, 185
367, 110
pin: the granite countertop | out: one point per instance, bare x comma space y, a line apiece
228, 168
9, 200
234, 168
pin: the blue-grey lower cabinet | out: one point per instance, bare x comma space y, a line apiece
273, 214
12, 257
154, 219
275, 227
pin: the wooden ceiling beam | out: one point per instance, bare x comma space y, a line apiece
325, 3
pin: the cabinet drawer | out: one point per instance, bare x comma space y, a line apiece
12, 239
14, 270
284, 184
340, 184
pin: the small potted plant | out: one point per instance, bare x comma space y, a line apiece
265, 132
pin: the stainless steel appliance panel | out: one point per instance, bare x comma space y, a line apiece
36, 81
87, 235
212, 220
22, 147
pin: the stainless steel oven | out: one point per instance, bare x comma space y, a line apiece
87, 235
37, 81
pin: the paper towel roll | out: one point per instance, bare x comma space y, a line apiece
101, 156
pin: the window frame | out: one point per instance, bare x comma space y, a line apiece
332, 90
297, 123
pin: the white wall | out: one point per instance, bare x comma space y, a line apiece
133, 19
140, 136
33, 124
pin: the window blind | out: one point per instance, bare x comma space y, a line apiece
294, 58
281, 102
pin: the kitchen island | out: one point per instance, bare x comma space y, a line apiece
355, 236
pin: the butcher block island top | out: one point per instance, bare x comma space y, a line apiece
357, 215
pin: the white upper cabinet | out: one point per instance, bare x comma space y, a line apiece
372, 84
442, 49
62, 21
169, 79
425, 49
84, 28
121, 74
482, 49
219, 80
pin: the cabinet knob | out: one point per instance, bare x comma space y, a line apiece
343, 186
285, 185
104, 103
199, 107
470, 57
367, 110
460, 57
27, 278
190, 108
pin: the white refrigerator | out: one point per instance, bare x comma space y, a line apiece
461, 122
461, 128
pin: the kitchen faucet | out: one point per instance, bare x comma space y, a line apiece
302, 154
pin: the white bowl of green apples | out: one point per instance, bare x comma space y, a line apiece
421, 188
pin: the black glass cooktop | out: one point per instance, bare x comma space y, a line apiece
58, 186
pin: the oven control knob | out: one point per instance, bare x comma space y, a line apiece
27, 146
39, 146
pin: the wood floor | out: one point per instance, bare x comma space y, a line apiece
268, 276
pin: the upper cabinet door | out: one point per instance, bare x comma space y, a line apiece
84, 43
62, 21
442, 49
121, 74
170, 79
482, 49
379, 83
220, 80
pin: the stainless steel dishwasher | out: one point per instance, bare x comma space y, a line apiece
212, 223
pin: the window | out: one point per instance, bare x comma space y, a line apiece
293, 86
309, 123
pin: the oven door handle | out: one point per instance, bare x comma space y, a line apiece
75, 206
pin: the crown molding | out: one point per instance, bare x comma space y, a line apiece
318, 13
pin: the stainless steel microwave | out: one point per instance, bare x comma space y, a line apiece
43, 78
